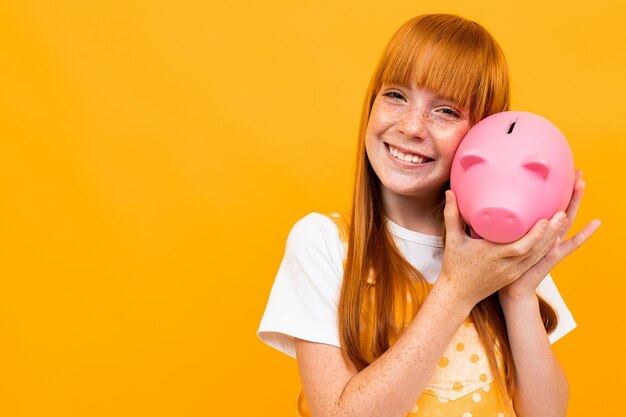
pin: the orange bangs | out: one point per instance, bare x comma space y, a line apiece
458, 59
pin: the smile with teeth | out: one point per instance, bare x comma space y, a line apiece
407, 157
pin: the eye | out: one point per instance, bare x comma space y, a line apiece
451, 112
394, 95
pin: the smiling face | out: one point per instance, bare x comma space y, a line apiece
437, 76
411, 137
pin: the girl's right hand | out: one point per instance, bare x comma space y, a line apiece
473, 269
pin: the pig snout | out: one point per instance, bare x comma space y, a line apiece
501, 224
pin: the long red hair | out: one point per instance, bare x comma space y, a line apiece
462, 62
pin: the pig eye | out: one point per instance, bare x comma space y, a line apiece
539, 167
471, 158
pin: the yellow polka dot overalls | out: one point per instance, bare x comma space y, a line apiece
462, 385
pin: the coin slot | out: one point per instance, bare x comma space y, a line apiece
511, 126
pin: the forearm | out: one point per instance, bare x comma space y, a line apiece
391, 384
541, 388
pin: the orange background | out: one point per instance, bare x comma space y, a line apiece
154, 155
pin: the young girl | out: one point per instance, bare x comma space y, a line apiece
390, 308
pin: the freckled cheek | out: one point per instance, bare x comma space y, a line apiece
372, 145
379, 126
458, 137
383, 117
445, 128
451, 133
450, 146
385, 120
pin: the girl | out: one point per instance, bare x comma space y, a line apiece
390, 308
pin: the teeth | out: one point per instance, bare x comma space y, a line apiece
406, 157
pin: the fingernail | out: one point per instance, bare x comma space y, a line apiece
560, 217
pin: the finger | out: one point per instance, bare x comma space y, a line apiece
525, 264
543, 254
579, 238
560, 250
452, 217
551, 237
522, 246
574, 203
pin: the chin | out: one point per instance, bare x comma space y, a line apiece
408, 191
415, 190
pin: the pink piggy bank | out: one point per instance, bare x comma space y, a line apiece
511, 170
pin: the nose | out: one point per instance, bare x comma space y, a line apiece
413, 123
498, 224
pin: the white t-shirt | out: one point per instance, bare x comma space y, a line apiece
304, 298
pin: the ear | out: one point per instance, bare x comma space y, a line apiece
470, 158
537, 166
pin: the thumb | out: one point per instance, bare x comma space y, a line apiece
454, 225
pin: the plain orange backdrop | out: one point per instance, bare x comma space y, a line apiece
155, 154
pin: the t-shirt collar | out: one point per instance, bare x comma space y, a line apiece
413, 236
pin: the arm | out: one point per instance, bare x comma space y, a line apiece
472, 269
391, 384
541, 387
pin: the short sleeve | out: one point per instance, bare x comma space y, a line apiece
304, 297
547, 289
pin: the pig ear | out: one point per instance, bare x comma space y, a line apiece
537, 166
470, 158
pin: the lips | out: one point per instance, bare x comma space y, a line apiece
408, 151
419, 162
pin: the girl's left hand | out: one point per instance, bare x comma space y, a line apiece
527, 284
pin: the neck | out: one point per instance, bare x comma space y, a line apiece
416, 213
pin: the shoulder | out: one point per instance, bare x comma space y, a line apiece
319, 230
304, 298
316, 240
312, 225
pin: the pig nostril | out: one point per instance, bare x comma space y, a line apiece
498, 224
